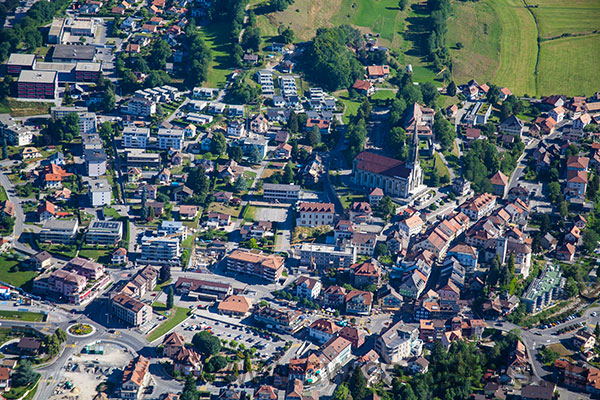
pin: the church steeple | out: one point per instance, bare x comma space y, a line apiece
413, 151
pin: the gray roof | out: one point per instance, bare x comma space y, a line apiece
21, 59
60, 224
95, 155
74, 52
88, 66
37, 76
277, 186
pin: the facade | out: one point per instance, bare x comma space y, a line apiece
315, 214
95, 162
160, 250
323, 256
281, 319
135, 378
59, 231
322, 330
170, 139
141, 107
37, 84
359, 302
283, 193
135, 137
18, 62
268, 267
394, 177
398, 343
201, 288
131, 311
308, 287
87, 72
104, 232
100, 193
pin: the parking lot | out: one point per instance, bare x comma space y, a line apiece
265, 346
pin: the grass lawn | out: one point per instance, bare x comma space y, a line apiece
24, 108
9, 272
350, 106
577, 72
22, 316
560, 349
174, 319
3, 196
110, 212
500, 45
383, 95
225, 209
159, 287
249, 213
101, 255
216, 37
440, 167
556, 17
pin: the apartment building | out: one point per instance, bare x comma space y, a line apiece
479, 206
279, 319
87, 120
135, 378
87, 72
324, 256
104, 232
37, 84
170, 139
95, 162
268, 267
175, 228
283, 193
131, 311
160, 250
315, 214
398, 343
141, 107
135, 137
59, 231
100, 193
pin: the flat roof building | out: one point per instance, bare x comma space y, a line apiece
59, 231
104, 232
74, 53
18, 62
37, 84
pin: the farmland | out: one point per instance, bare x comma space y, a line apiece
499, 44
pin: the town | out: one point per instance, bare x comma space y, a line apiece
321, 225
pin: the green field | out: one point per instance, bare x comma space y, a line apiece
500, 45
22, 316
174, 319
216, 36
10, 273
577, 73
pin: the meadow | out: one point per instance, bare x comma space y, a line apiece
499, 44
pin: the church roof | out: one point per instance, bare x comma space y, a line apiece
382, 165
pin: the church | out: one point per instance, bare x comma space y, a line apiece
396, 178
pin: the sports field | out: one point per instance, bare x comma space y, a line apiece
499, 44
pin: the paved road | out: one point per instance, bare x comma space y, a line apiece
522, 164
19, 214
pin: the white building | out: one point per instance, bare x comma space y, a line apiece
141, 107
134, 137
315, 214
411, 226
170, 139
100, 193
308, 287
398, 343
95, 162
167, 228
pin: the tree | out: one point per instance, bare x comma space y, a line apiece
170, 299
190, 392
292, 123
235, 153
240, 185
358, 385
287, 35
380, 250
590, 240
548, 355
314, 136
218, 145
24, 374
52, 345
563, 209
151, 213
402, 4
108, 100
216, 363
206, 344
387, 206
251, 39
341, 392
451, 89
430, 93
159, 54
60, 335
444, 131
255, 157
235, 370
597, 330
165, 273
247, 363
4, 148
288, 174
493, 94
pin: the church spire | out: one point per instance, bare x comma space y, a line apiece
413, 151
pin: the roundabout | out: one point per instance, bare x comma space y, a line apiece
81, 330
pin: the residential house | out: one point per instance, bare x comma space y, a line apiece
308, 287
